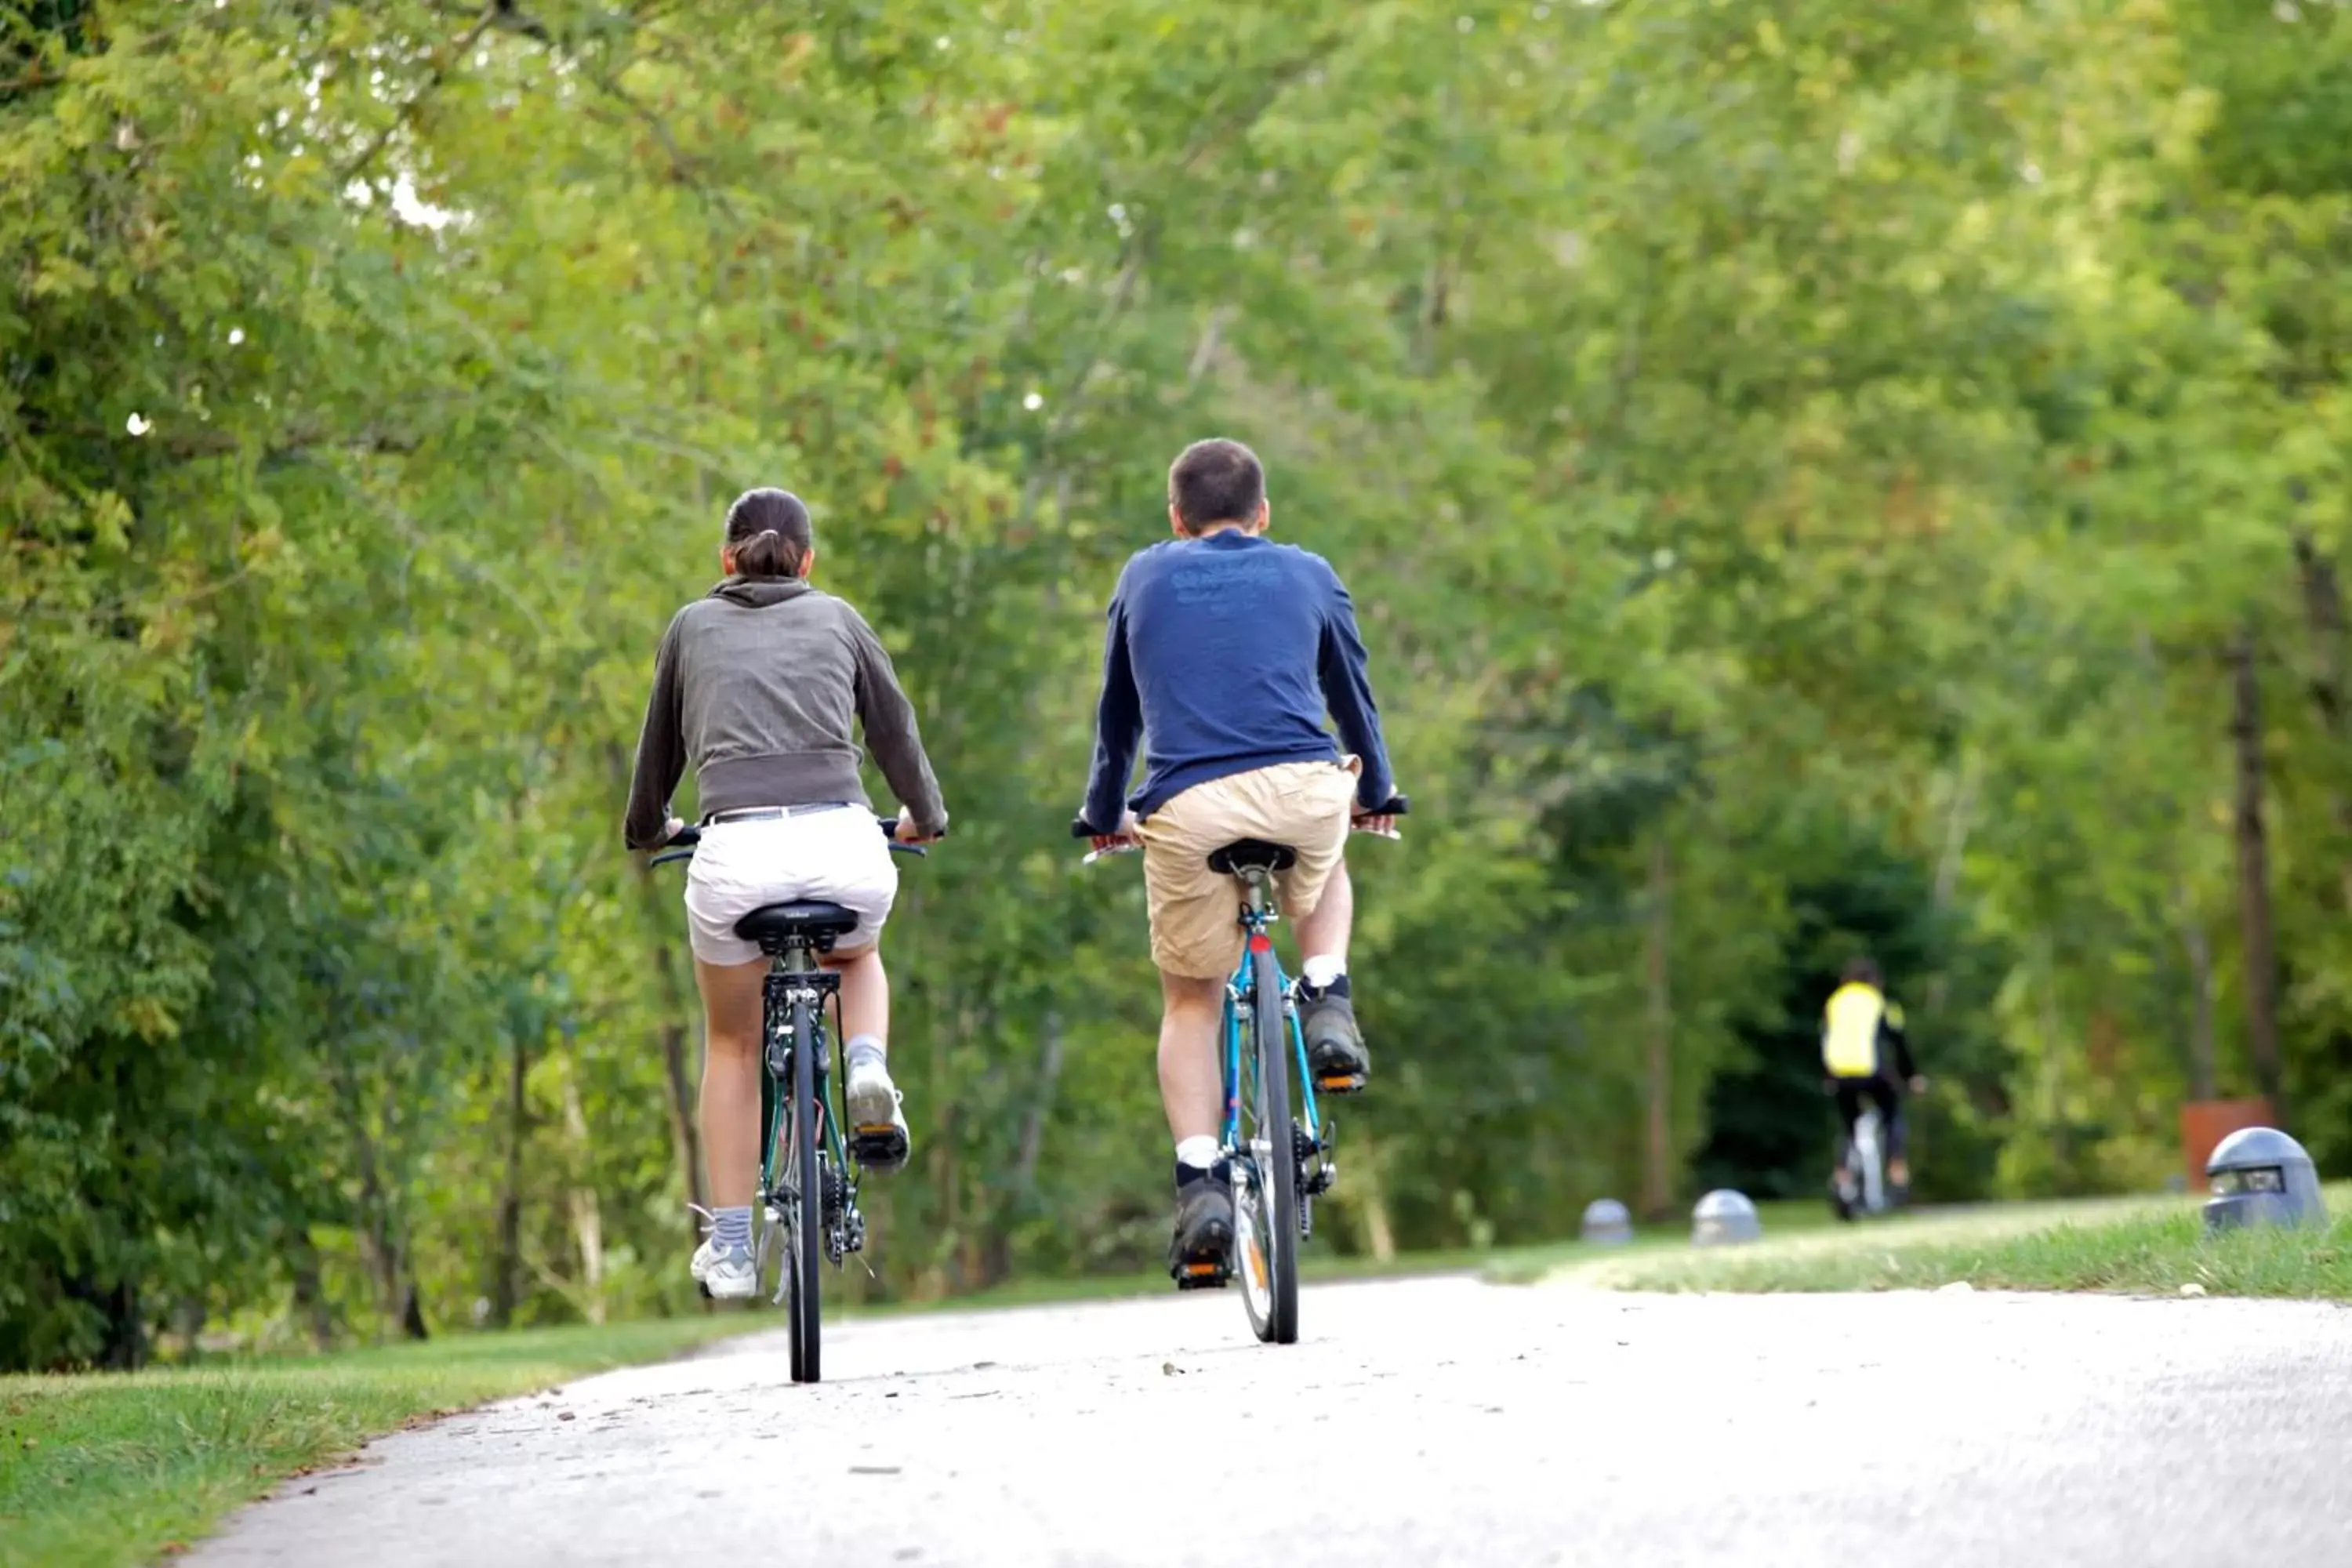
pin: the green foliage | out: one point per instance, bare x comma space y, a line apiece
1800, 475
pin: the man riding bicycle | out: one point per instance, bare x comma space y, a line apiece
1868, 1058
1223, 653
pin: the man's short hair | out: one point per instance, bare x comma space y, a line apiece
1215, 482
1861, 971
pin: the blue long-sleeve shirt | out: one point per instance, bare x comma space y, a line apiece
1222, 655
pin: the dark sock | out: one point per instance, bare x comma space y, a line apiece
1188, 1174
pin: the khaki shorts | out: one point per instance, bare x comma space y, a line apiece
1195, 930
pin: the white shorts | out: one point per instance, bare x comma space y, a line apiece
839, 857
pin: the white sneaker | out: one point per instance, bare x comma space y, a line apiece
877, 1123
725, 1273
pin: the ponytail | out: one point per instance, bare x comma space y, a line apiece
768, 553
768, 534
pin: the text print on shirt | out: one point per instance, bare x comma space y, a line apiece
1228, 588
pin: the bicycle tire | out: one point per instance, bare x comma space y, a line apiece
807, 1249
1275, 1228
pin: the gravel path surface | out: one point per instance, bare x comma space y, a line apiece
1423, 1423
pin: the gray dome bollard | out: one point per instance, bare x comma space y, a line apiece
2262, 1176
1607, 1224
1723, 1218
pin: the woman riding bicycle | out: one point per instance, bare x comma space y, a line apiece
756, 686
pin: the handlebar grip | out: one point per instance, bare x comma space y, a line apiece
1081, 828
1397, 804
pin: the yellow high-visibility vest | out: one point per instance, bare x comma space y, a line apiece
1849, 1029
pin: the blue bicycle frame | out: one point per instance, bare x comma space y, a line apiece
1253, 925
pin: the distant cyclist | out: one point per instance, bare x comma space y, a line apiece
1868, 1058
1223, 652
756, 685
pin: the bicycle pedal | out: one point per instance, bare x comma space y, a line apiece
1201, 1276
1341, 1083
882, 1148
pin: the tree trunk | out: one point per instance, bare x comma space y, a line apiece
309, 1290
684, 1108
412, 1311
2323, 606
2261, 954
506, 1270
2053, 1069
1370, 1202
997, 1262
685, 1123
381, 1246
587, 1217
1657, 1165
1957, 825
2201, 1077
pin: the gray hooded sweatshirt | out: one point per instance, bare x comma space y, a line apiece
756, 685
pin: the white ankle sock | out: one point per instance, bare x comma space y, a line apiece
862, 1049
1201, 1153
1322, 969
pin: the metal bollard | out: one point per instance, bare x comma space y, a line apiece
2262, 1176
1724, 1218
1607, 1224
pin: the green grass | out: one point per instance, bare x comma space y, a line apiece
107, 1469
103, 1470
2138, 1246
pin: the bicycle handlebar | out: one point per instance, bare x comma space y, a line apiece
681, 847
1395, 805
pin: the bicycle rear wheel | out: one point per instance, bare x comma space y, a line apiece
1266, 1202
805, 1204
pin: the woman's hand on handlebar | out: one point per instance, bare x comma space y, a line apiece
905, 832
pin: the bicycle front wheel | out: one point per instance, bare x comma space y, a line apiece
1265, 1201
807, 1203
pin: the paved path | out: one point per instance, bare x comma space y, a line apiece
1428, 1423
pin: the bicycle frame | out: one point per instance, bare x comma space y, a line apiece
795, 978
1866, 1154
1257, 914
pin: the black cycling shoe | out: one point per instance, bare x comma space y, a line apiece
1336, 1057
1200, 1253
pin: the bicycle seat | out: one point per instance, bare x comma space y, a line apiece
802, 923
1253, 854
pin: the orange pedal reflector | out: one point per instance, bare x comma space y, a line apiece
1199, 1270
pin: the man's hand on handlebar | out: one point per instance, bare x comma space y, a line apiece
1126, 837
905, 832
1381, 822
